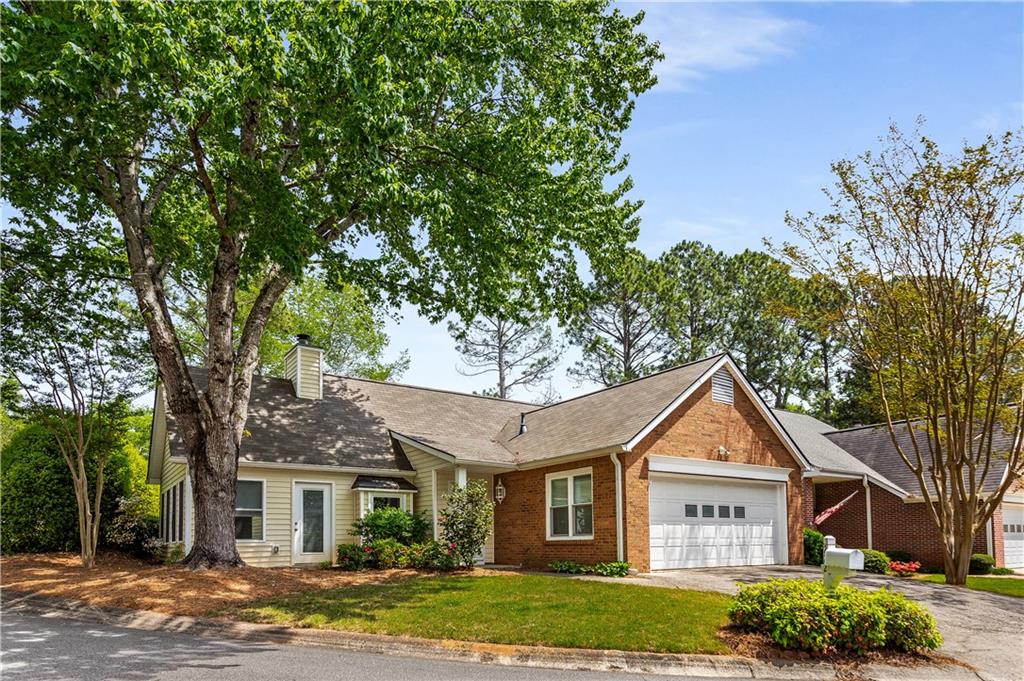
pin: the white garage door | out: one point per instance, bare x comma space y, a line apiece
1013, 535
713, 522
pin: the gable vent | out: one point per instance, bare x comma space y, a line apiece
722, 386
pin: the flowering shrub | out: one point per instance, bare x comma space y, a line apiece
353, 556
391, 554
392, 523
802, 615
904, 569
433, 555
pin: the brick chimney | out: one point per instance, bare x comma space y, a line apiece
303, 366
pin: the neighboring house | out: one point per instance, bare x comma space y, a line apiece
684, 468
899, 518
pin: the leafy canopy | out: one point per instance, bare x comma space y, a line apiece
442, 153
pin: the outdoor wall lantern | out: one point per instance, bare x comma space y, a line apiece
499, 491
723, 452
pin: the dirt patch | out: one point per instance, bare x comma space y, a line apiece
122, 582
848, 665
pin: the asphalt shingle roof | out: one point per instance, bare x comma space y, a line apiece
873, 446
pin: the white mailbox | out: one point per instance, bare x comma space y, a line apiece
839, 563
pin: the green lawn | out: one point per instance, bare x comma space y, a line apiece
529, 610
1008, 586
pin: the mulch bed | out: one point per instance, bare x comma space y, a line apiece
848, 665
119, 581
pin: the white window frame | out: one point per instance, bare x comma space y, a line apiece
263, 525
366, 502
547, 504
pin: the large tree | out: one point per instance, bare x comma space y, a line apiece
453, 155
929, 250
519, 353
698, 299
622, 330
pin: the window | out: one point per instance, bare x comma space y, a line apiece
691, 510
380, 501
723, 511
707, 511
571, 505
249, 510
739, 511
163, 515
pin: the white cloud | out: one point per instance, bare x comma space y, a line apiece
698, 39
999, 119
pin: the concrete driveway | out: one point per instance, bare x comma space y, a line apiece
983, 629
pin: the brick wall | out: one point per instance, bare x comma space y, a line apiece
894, 524
696, 430
520, 531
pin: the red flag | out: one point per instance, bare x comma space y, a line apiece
829, 512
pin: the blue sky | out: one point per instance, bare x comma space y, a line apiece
755, 101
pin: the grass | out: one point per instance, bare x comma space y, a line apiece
525, 610
1007, 586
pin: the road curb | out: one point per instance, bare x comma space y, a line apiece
668, 664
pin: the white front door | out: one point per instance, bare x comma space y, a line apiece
312, 526
711, 522
1013, 535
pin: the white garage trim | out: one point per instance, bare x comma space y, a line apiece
1013, 535
672, 527
718, 469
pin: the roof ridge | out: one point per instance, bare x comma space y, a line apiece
542, 407
880, 424
423, 387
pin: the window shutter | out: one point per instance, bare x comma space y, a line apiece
722, 387
181, 511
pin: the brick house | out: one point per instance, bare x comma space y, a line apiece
684, 468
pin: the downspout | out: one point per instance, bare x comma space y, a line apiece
867, 498
618, 506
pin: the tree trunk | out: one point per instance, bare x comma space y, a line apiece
213, 495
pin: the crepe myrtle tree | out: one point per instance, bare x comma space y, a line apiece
451, 155
928, 252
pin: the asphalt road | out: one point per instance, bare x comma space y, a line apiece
51, 649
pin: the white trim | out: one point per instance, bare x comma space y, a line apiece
663, 414
826, 473
1013, 498
420, 445
188, 512
867, 511
618, 505
433, 501
716, 469
461, 476
569, 474
263, 524
329, 530
242, 463
568, 458
366, 497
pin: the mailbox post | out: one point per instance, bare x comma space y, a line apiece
839, 563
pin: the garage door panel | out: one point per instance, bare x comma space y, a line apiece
735, 523
1013, 535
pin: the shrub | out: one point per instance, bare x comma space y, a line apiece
390, 554
568, 567
173, 553
900, 556
613, 569
131, 529
352, 556
1003, 571
325, 565
802, 615
432, 555
875, 562
981, 564
908, 626
467, 520
904, 569
392, 523
814, 547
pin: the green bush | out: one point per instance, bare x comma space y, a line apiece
325, 565
352, 556
802, 615
132, 529
981, 564
173, 553
616, 568
1003, 571
899, 556
392, 523
432, 555
467, 519
568, 567
908, 626
814, 547
875, 562
390, 554
38, 511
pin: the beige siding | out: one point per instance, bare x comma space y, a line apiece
426, 464
278, 512
309, 363
289, 365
